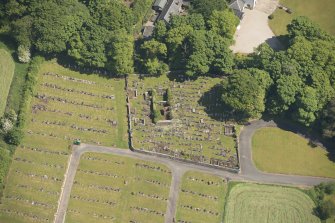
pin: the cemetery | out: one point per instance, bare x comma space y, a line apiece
188, 124
257, 203
67, 106
201, 198
110, 188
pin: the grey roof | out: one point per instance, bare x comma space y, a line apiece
237, 5
172, 8
160, 3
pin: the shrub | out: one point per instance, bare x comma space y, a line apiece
170, 115
23, 54
168, 96
5, 125
325, 209
329, 188
271, 16
14, 136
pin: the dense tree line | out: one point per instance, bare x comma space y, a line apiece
191, 43
94, 33
302, 78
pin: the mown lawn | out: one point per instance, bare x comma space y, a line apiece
278, 151
7, 68
254, 203
319, 11
67, 106
201, 198
111, 188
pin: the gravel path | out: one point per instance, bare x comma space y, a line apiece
248, 170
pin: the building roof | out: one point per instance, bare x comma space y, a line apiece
237, 5
172, 8
160, 3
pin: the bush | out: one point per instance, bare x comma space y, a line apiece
271, 16
325, 209
170, 115
329, 188
14, 136
168, 96
23, 54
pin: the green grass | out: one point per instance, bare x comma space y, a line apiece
39, 164
278, 151
319, 11
199, 190
91, 202
7, 68
186, 135
254, 203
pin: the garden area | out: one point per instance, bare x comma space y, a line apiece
278, 151
66, 106
109, 188
318, 11
255, 203
188, 124
201, 198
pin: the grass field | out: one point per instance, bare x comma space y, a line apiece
319, 11
67, 106
255, 203
112, 188
278, 151
7, 68
201, 198
197, 129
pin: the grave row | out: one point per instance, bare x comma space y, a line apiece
40, 189
203, 210
72, 90
147, 210
42, 177
200, 194
91, 200
24, 160
23, 215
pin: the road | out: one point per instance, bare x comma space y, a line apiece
248, 170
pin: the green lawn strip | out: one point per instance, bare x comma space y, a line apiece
91, 201
318, 11
7, 67
257, 203
278, 151
205, 192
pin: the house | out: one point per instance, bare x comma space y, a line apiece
173, 7
238, 6
159, 5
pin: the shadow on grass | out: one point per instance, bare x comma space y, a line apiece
69, 63
217, 110
314, 138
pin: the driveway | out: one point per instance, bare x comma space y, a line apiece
254, 28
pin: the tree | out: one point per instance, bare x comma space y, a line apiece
307, 103
154, 49
112, 15
206, 7
120, 55
328, 120
154, 66
23, 53
14, 136
88, 46
224, 23
303, 26
244, 93
56, 22
326, 209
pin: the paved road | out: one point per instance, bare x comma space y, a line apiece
248, 170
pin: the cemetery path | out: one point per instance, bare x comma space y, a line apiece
178, 168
